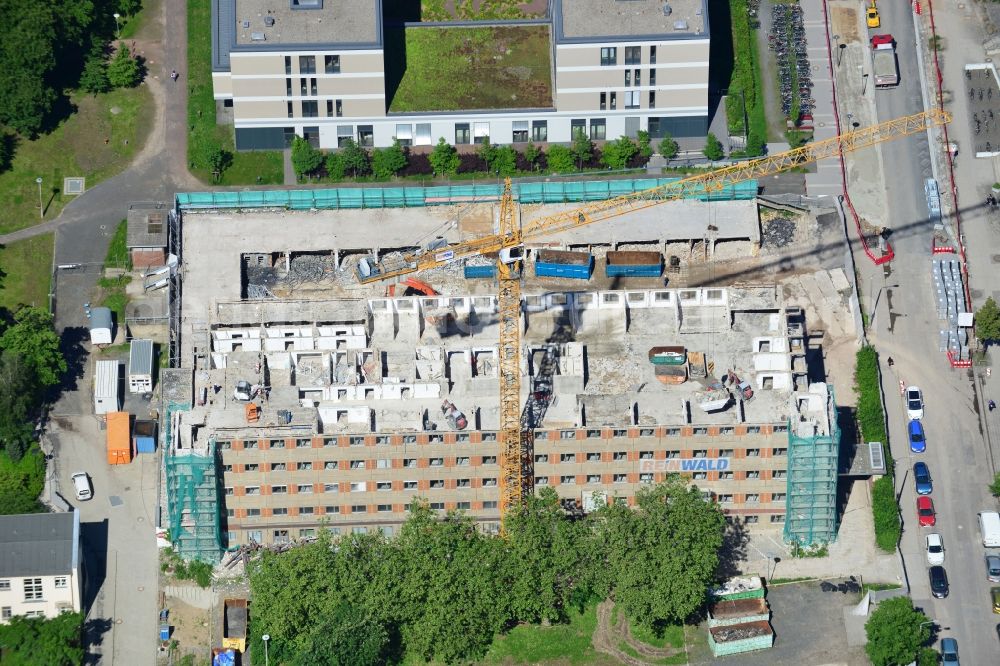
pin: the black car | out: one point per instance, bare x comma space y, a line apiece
939, 582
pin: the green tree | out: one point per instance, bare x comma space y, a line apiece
995, 486
305, 158
355, 158
444, 159
668, 147
19, 399
645, 149
31, 641
616, 154
560, 159
583, 148
387, 162
34, 339
21, 482
988, 321
504, 161
335, 168
532, 155
346, 637
896, 631
219, 159
94, 78
713, 148
128, 7
124, 70
487, 152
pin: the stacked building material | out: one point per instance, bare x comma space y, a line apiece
949, 292
739, 620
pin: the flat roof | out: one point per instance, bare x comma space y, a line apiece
588, 20
306, 21
38, 544
140, 357
147, 225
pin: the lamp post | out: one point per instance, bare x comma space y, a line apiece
265, 638
836, 40
118, 31
877, 297
41, 206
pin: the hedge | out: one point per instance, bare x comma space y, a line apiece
746, 78
871, 421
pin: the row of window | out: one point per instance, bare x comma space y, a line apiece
633, 55
463, 437
632, 98
354, 509
32, 587
307, 64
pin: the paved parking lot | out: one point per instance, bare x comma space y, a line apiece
808, 621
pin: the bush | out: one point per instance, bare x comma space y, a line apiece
387, 162
745, 83
713, 148
444, 158
667, 147
885, 514
305, 159
642, 140
870, 416
616, 154
561, 159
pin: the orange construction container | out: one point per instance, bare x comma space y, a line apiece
119, 439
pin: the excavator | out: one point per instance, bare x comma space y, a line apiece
516, 481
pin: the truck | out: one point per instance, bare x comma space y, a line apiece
884, 58
234, 625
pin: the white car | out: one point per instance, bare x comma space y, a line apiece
935, 549
81, 483
914, 402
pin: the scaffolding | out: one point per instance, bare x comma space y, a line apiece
813, 453
192, 495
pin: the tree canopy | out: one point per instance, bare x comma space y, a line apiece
442, 590
387, 162
616, 154
34, 339
896, 631
305, 158
444, 159
713, 148
30, 641
988, 321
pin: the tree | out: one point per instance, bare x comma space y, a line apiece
346, 637
35, 340
305, 158
19, 398
124, 70
560, 159
616, 154
583, 148
667, 147
94, 78
532, 155
642, 139
355, 158
21, 482
988, 321
995, 486
36, 640
896, 631
219, 159
335, 166
713, 148
487, 152
128, 7
387, 162
444, 159
504, 161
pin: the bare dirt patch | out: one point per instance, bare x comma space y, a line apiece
845, 24
608, 636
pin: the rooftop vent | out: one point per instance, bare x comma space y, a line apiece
667, 9
680, 25
257, 37
268, 21
246, 24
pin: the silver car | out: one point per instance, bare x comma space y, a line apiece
993, 568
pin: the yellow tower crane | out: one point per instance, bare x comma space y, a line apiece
516, 442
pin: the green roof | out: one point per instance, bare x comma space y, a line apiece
464, 10
461, 69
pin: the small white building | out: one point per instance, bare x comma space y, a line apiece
101, 326
40, 572
107, 396
140, 366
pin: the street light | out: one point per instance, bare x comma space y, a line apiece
118, 32
265, 638
41, 207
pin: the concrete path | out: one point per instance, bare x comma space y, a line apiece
826, 181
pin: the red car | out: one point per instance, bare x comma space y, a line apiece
879, 40
925, 512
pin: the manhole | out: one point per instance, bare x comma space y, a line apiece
114, 500
75, 185
995, 258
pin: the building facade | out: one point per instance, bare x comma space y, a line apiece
332, 70
40, 571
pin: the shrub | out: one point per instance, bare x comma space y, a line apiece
616, 154
335, 166
387, 162
668, 147
444, 158
305, 159
561, 159
532, 155
645, 149
713, 148
870, 416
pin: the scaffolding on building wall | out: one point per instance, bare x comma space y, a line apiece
192, 496
811, 499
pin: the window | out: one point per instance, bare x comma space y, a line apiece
752, 519
279, 511
780, 452
725, 475
331, 64
520, 131
252, 490
331, 509
577, 126
288, 87
489, 483
609, 56
310, 109
620, 478
60, 582
437, 506
598, 129
436, 462
437, 484
5, 584
541, 457
646, 478
726, 453
567, 434
633, 55
359, 530
304, 488
645, 455
366, 135
251, 467
356, 441
279, 490
359, 487
489, 460
753, 430
32, 589
464, 506
462, 437
753, 497
253, 513
491, 504
652, 55
777, 497
5, 613
778, 519
35, 614
781, 428
331, 487
423, 135
277, 467
303, 466
357, 464
383, 463
673, 454
307, 532
614, 103
359, 508
700, 476
594, 457
593, 478
313, 90
779, 474
404, 134
383, 440
628, 78
652, 99
632, 99
753, 474
672, 432
291, 114
604, 101
700, 453
409, 485
753, 453
480, 134
409, 462
288, 65
652, 77
463, 483
462, 461
637, 77
725, 499
384, 508
462, 134
619, 455
539, 130
229, 491
307, 64
593, 434
567, 457
541, 480
230, 513
303, 443
568, 480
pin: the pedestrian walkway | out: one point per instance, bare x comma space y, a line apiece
827, 180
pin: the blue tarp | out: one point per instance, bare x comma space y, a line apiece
224, 658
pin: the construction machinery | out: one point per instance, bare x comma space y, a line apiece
517, 430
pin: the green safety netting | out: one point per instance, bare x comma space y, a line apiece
400, 197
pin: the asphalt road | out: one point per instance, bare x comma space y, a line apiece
906, 328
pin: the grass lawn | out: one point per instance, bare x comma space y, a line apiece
745, 92
26, 267
565, 643
671, 636
77, 147
204, 134
450, 69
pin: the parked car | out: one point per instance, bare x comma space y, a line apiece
995, 595
922, 479
872, 17
993, 568
949, 651
917, 442
939, 581
914, 402
925, 511
935, 549
81, 483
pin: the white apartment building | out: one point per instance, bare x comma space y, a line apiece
40, 573
329, 70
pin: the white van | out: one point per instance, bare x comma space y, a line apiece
989, 527
82, 485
